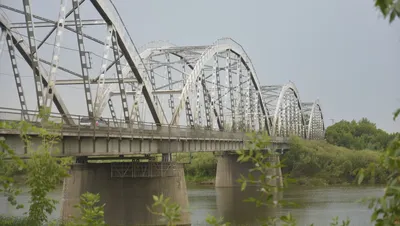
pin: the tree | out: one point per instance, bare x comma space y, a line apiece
9, 161
43, 170
386, 209
358, 135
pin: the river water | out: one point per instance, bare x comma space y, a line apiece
317, 205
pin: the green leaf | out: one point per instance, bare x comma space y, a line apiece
374, 216
391, 19
243, 187
155, 198
397, 112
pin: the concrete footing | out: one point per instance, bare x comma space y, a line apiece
229, 171
127, 190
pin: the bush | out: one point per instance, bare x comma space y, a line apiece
203, 166
333, 164
13, 221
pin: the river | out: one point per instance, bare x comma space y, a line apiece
316, 204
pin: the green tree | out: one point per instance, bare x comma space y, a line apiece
44, 172
358, 135
9, 163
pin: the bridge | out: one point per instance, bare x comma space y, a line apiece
111, 98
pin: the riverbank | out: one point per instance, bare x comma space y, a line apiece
309, 163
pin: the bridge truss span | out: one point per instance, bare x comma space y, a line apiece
286, 110
314, 120
82, 61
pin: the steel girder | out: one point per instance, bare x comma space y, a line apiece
214, 90
24, 50
214, 86
104, 91
116, 40
314, 123
290, 115
128, 49
284, 101
199, 57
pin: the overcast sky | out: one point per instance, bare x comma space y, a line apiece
342, 52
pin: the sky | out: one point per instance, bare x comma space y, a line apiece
341, 52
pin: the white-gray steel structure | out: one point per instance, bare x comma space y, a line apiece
208, 87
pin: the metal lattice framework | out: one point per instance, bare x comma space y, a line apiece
209, 86
315, 128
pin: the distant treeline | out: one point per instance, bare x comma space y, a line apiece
308, 162
358, 135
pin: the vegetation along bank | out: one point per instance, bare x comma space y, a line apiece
309, 162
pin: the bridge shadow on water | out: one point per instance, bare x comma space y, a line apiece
229, 204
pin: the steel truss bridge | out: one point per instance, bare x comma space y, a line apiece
77, 58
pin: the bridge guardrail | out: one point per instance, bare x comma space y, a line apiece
137, 129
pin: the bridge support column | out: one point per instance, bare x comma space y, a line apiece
229, 171
127, 189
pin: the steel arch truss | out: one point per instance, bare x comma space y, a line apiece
204, 86
315, 127
209, 86
88, 52
229, 86
286, 118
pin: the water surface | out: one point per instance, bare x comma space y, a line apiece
317, 204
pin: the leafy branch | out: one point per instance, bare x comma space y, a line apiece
91, 212
265, 162
163, 207
389, 8
386, 209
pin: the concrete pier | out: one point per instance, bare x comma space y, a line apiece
127, 189
229, 171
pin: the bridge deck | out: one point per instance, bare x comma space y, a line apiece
143, 138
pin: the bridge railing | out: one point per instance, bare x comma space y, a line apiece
107, 127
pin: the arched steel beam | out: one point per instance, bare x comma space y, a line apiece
315, 106
164, 45
220, 45
146, 52
23, 49
289, 86
128, 49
